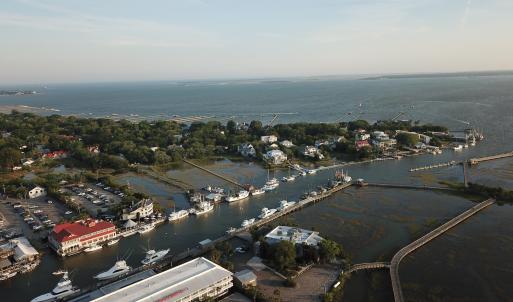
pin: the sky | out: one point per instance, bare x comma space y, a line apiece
57, 41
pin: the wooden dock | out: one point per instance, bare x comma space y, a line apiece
475, 161
225, 178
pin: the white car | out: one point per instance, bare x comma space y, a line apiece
68, 212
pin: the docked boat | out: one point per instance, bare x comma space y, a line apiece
242, 194
119, 268
231, 230
266, 213
203, 208
178, 215
457, 148
248, 222
5, 276
113, 241
153, 256
93, 248
257, 192
312, 171
63, 289
288, 178
212, 189
285, 204
269, 187
129, 233
146, 228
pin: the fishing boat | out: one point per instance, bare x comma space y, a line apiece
266, 213
93, 248
153, 256
176, 215
146, 228
113, 241
63, 289
257, 192
242, 194
119, 268
203, 208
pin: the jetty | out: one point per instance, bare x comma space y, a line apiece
434, 166
475, 161
225, 178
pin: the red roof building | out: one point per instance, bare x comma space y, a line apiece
71, 238
56, 154
361, 144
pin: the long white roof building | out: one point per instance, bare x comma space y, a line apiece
198, 278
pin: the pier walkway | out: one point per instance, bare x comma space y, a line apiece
401, 186
396, 260
367, 266
165, 179
215, 174
477, 160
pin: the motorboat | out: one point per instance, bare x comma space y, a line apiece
119, 268
248, 222
113, 241
269, 187
93, 248
457, 148
153, 256
266, 213
288, 178
242, 194
146, 228
285, 204
257, 192
176, 215
311, 171
63, 289
231, 230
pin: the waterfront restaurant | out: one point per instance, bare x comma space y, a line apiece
71, 238
196, 280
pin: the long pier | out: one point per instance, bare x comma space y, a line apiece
475, 161
396, 260
434, 166
166, 179
401, 186
367, 266
214, 173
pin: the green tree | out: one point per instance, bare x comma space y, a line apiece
9, 157
284, 255
329, 249
407, 139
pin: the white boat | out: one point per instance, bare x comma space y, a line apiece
113, 241
231, 230
257, 192
153, 256
302, 173
129, 233
248, 222
269, 187
178, 215
119, 268
285, 204
146, 228
242, 194
203, 208
63, 289
5, 276
266, 213
312, 171
93, 248
457, 148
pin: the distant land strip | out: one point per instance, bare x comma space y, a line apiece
441, 75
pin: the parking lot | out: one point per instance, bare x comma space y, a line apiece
33, 218
95, 198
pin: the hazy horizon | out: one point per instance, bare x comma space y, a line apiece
52, 42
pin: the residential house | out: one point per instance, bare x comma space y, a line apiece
287, 144
269, 139
276, 157
247, 150
294, 235
56, 154
361, 144
93, 149
362, 136
313, 152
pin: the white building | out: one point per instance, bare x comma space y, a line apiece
142, 209
269, 139
275, 157
294, 235
27, 162
36, 191
313, 152
287, 144
247, 150
196, 280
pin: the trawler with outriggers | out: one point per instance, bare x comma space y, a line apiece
203, 207
153, 256
242, 194
119, 268
63, 289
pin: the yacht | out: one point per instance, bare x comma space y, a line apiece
239, 196
231, 230
257, 192
203, 208
248, 222
285, 204
146, 228
113, 241
312, 171
288, 178
457, 148
269, 187
63, 289
266, 213
119, 268
178, 215
93, 248
153, 256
